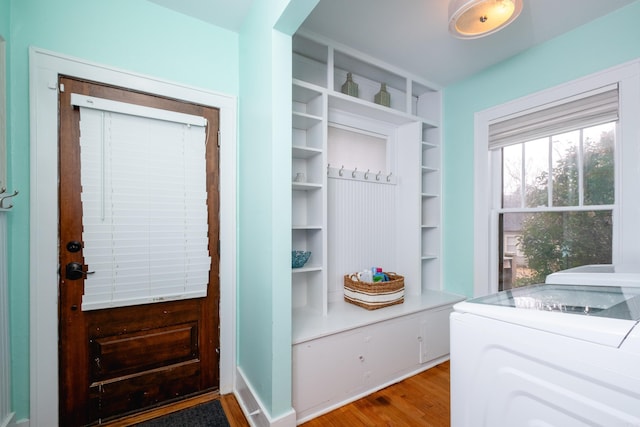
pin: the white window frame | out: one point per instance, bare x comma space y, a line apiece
626, 227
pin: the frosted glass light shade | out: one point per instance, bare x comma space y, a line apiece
470, 19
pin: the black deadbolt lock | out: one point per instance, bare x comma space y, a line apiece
74, 246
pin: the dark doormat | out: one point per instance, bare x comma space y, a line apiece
208, 414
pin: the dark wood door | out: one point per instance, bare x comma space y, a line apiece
122, 360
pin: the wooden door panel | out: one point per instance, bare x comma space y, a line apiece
124, 340
120, 320
118, 355
128, 394
119, 360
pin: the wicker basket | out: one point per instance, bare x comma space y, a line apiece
374, 295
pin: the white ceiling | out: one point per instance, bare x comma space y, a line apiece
413, 34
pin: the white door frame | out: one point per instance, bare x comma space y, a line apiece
44, 69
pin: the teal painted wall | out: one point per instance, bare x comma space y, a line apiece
134, 35
264, 232
256, 65
603, 43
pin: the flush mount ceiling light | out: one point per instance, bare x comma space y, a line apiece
470, 19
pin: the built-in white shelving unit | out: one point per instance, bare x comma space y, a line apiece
431, 205
410, 203
309, 196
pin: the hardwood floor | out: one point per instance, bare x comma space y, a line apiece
232, 410
422, 400
419, 401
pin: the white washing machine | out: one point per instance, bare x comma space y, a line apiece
564, 353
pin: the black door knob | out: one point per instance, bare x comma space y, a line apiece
74, 271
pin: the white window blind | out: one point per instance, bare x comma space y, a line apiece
588, 109
145, 229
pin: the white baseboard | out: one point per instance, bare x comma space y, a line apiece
254, 411
286, 420
20, 423
6, 422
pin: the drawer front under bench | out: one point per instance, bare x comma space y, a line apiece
336, 369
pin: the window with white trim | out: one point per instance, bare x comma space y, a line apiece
556, 180
557, 186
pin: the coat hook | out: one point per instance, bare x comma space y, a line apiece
389, 177
8, 196
340, 172
366, 174
353, 173
378, 175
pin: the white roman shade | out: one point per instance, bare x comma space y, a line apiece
143, 176
587, 109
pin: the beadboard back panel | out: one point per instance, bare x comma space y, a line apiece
361, 225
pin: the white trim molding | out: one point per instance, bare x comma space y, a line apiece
6, 416
626, 230
3, 113
251, 405
44, 69
21, 423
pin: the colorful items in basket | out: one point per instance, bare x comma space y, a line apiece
299, 258
374, 275
373, 295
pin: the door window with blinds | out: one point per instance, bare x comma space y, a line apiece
144, 201
554, 169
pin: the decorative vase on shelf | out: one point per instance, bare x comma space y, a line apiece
350, 87
383, 97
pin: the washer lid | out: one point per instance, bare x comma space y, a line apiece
600, 274
601, 314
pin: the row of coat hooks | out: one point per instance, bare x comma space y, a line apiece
5, 199
355, 174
